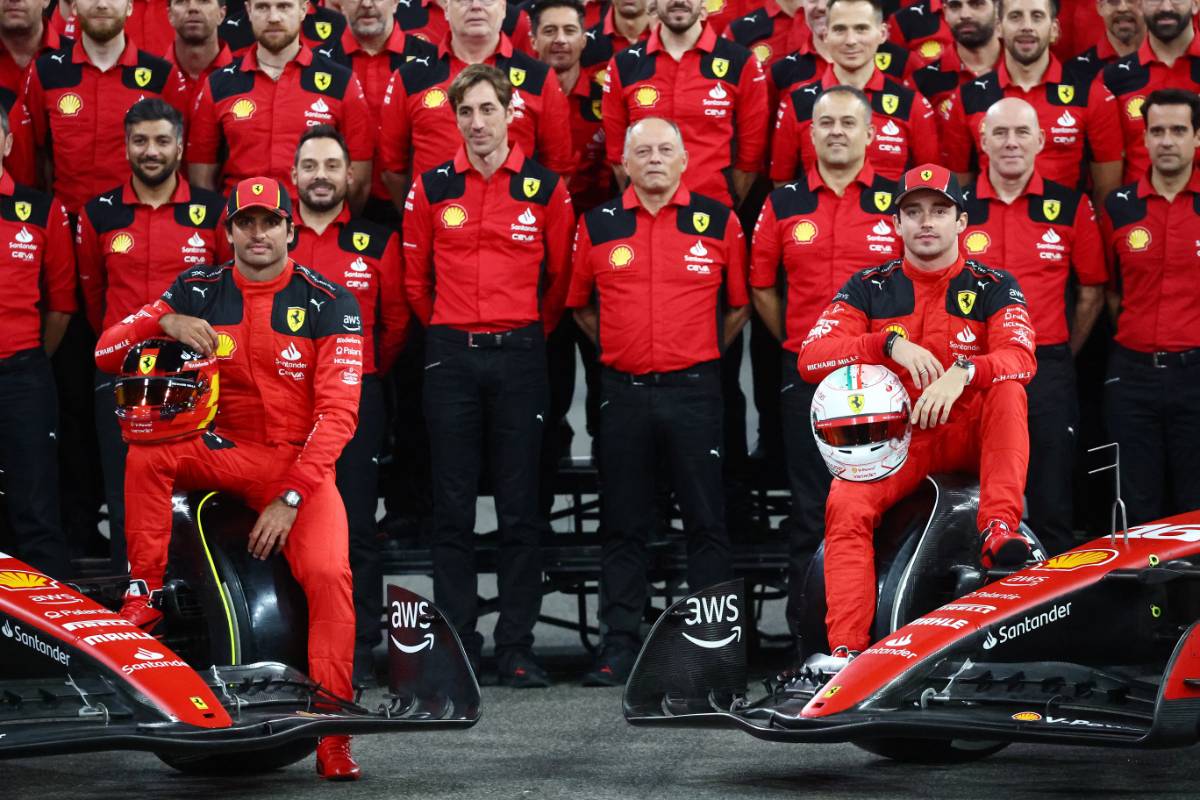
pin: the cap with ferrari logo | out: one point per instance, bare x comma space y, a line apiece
930, 176
260, 192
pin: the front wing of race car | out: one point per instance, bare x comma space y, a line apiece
1054, 653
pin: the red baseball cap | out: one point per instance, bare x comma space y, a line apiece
259, 192
930, 176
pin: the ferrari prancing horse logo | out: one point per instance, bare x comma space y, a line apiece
197, 214
360, 241
22, 209
856, 402
146, 363
1051, 208
295, 318
966, 301
530, 186
700, 221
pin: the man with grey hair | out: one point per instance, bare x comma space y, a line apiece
836, 215
659, 284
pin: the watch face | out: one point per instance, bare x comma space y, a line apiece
292, 498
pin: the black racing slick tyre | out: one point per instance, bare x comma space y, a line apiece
931, 751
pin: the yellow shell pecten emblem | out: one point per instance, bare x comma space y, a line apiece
1133, 107
226, 344
20, 580
1027, 716
977, 243
1077, 559
121, 243
1138, 239
243, 109
804, 231
453, 216
762, 51
621, 256
930, 49
434, 98
69, 104
646, 96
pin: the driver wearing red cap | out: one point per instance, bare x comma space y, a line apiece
288, 343
958, 335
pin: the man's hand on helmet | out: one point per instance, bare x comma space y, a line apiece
194, 332
933, 406
920, 363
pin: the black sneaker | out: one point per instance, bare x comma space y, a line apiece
518, 670
612, 666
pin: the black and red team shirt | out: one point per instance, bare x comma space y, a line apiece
20, 160
592, 181
128, 252
1079, 27
661, 281
603, 42
1092, 61
716, 93
806, 65
223, 59
937, 310
418, 130
723, 12
1070, 111
1153, 243
426, 19
38, 264
938, 79
322, 28
365, 259
770, 33
260, 120
1042, 237
808, 242
905, 130
488, 254
147, 25
77, 114
1131, 79
921, 28
13, 76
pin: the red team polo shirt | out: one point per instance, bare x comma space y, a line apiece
488, 254
261, 120
1155, 263
1040, 238
821, 240
129, 253
769, 33
79, 112
192, 85
426, 20
904, 128
921, 28
1069, 111
938, 79
365, 259
1131, 79
716, 93
418, 127
657, 279
38, 264
592, 181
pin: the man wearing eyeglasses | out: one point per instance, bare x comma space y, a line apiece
1124, 30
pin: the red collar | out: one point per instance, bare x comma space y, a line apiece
7, 184
1104, 49
341, 219
926, 276
1145, 188
394, 43
1146, 55
829, 79
250, 60
128, 58
630, 199
223, 58
984, 190
1053, 73
706, 42
865, 176
503, 47
514, 162
182, 193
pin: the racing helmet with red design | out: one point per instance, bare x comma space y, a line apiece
860, 419
165, 391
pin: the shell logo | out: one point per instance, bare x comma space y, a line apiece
69, 104
714, 6
121, 243
453, 216
896, 327
19, 580
762, 51
243, 109
646, 96
930, 49
804, 231
1077, 559
1138, 239
978, 242
226, 344
1134, 107
1027, 716
434, 98
621, 256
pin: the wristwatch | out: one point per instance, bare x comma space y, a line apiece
968, 365
291, 498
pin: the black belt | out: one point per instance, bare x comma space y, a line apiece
523, 338
1162, 359
22, 358
1053, 351
679, 377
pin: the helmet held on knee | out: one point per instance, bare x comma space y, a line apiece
860, 419
165, 391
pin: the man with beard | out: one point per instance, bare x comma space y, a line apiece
197, 52
904, 121
976, 50
258, 106
625, 23
1168, 58
1072, 111
1045, 234
130, 243
364, 258
1124, 30
77, 97
713, 88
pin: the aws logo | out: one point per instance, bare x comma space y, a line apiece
711, 611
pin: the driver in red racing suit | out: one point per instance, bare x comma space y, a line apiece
958, 335
289, 349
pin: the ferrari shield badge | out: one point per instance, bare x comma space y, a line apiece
1066, 93
22, 209
966, 301
720, 67
530, 186
323, 30
141, 76
856, 402
890, 103
1051, 208
146, 363
516, 76
295, 318
883, 61
197, 213
700, 221
360, 241
883, 200
322, 80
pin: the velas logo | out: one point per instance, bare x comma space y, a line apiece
1076, 559
621, 256
1138, 239
977, 242
897, 328
226, 345
930, 49
121, 243
18, 580
434, 98
646, 96
1027, 716
804, 231
243, 109
453, 216
69, 104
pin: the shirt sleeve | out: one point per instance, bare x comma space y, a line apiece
176, 92
418, 253
785, 145
1104, 124
613, 113
737, 293
20, 162
560, 220
923, 132
204, 135
752, 120
1087, 251
582, 278
1011, 341
391, 321
92, 275
958, 141
395, 131
356, 124
554, 128
840, 336
141, 324
765, 249
58, 267
34, 101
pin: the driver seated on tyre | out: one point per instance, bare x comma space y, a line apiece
288, 345
958, 335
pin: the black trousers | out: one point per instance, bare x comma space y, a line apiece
80, 478
766, 356
112, 463
808, 479
358, 483
1154, 414
560, 367
675, 417
1053, 425
29, 455
495, 396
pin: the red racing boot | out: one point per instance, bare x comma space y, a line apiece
140, 606
1001, 546
334, 762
